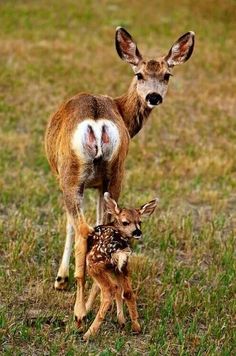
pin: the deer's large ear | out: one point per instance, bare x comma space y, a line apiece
148, 209
111, 205
126, 47
181, 50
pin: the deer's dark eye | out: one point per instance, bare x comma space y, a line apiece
167, 76
139, 76
125, 223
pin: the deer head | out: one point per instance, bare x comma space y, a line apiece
128, 221
152, 75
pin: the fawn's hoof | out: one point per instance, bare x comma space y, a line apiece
136, 328
61, 283
86, 337
89, 333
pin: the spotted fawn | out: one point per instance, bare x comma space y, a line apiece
109, 248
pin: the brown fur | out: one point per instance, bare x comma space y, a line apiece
69, 170
124, 111
133, 110
109, 249
129, 113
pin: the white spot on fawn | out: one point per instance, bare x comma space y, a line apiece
120, 258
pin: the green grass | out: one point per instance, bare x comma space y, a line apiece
184, 271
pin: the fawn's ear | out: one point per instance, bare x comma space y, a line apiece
111, 205
181, 50
148, 209
126, 47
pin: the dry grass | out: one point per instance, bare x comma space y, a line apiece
184, 271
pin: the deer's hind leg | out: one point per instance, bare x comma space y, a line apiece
100, 220
73, 191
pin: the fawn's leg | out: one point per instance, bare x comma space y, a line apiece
119, 307
118, 297
62, 278
92, 295
108, 291
130, 300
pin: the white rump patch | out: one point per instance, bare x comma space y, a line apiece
95, 139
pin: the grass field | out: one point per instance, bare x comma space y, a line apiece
184, 270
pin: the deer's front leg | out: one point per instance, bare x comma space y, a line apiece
62, 278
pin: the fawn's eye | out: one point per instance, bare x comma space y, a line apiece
125, 223
139, 76
167, 76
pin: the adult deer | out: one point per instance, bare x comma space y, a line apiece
87, 141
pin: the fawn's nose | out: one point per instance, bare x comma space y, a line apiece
154, 98
137, 234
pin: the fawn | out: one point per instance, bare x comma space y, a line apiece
87, 142
109, 248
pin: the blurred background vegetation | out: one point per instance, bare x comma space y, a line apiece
184, 271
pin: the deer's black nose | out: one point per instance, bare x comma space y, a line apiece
154, 98
137, 234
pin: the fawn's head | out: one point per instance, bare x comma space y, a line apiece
152, 75
128, 221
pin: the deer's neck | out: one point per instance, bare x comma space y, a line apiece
133, 110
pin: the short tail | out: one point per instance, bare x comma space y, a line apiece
98, 144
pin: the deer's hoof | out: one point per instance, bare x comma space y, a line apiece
121, 325
121, 322
79, 320
61, 283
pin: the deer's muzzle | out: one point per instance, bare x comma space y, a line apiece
154, 99
137, 234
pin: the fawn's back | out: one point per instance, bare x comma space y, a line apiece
108, 249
